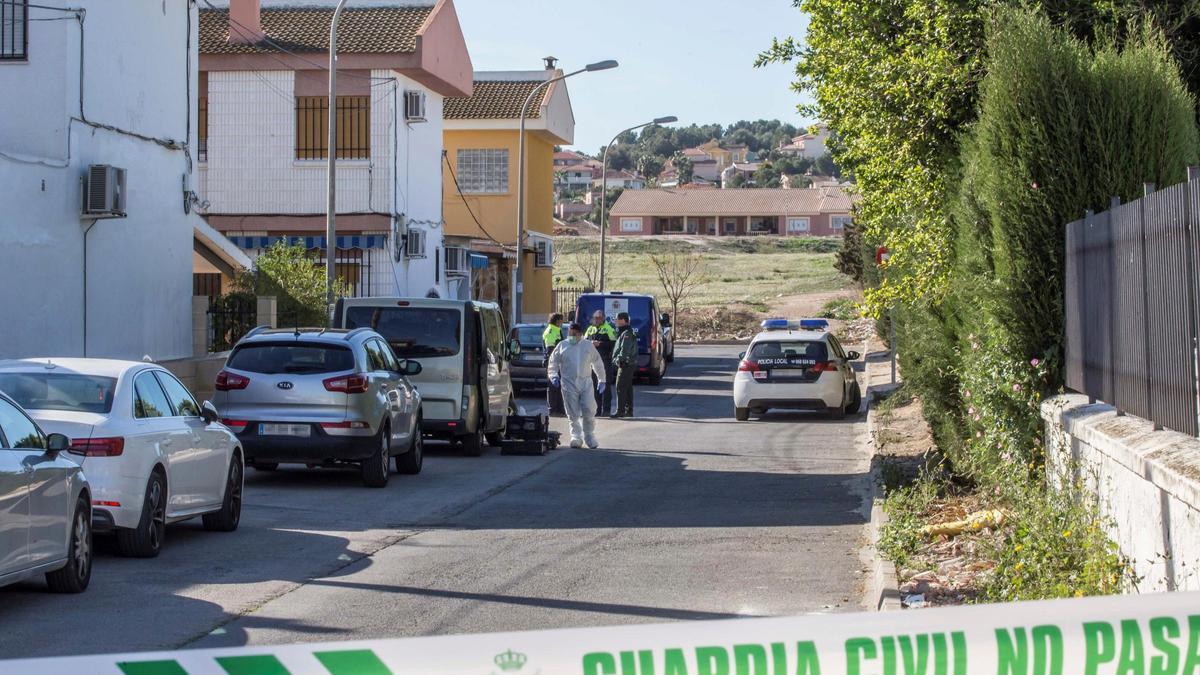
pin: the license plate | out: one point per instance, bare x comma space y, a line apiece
797, 374
284, 430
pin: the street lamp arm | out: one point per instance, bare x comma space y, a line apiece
519, 271
604, 186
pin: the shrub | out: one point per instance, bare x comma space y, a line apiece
297, 280
842, 309
1061, 129
1056, 546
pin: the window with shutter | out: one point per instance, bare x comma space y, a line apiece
353, 127
14, 30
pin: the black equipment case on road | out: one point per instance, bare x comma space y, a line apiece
528, 435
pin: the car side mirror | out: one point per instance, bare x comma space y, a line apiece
514, 349
853, 356
665, 320
208, 412
411, 368
56, 443
742, 355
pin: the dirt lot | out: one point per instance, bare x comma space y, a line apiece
746, 279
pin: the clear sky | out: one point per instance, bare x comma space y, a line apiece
690, 59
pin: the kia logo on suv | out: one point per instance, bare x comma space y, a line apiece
285, 385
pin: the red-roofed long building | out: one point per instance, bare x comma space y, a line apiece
804, 212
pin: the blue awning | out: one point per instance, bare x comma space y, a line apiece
349, 241
479, 262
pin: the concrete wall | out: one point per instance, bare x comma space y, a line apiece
198, 374
1147, 482
139, 268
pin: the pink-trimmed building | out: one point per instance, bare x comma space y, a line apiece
820, 212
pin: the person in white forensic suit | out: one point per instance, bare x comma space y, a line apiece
571, 366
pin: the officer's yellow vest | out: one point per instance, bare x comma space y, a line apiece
604, 328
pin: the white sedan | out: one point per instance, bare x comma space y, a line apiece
152, 455
795, 365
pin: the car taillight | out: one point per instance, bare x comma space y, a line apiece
824, 366
748, 366
349, 384
235, 425
344, 425
227, 381
98, 447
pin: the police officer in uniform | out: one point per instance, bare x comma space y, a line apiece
550, 339
625, 354
603, 337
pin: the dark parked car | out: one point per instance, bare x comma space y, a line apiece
529, 366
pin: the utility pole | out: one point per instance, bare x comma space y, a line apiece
331, 166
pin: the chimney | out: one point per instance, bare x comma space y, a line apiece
245, 22
551, 62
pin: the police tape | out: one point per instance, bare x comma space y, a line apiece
1123, 635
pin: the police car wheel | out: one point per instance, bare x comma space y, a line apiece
855, 400
741, 414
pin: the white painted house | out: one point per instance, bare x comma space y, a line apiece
263, 112
99, 267
812, 144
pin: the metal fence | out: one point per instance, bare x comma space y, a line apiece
565, 298
1131, 306
229, 318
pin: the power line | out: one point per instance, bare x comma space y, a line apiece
463, 197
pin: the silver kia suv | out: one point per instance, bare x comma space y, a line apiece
322, 397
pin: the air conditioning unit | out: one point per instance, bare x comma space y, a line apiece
458, 261
414, 106
414, 244
545, 253
104, 192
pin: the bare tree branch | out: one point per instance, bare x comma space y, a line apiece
680, 275
584, 256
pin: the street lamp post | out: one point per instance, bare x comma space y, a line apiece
331, 164
519, 272
604, 187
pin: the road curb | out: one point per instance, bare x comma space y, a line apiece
883, 588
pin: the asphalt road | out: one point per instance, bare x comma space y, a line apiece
682, 514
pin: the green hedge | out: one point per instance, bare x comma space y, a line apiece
1062, 128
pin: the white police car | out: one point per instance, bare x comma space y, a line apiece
795, 365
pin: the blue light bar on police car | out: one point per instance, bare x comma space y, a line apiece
775, 324
814, 324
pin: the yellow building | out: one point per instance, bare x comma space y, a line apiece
725, 154
481, 137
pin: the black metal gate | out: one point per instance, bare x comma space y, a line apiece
1131, 314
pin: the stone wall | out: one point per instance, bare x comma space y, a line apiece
1147, 483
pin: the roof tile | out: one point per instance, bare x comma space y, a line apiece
363, 30
740, 202
495, 99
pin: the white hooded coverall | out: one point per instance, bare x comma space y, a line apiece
574, 364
